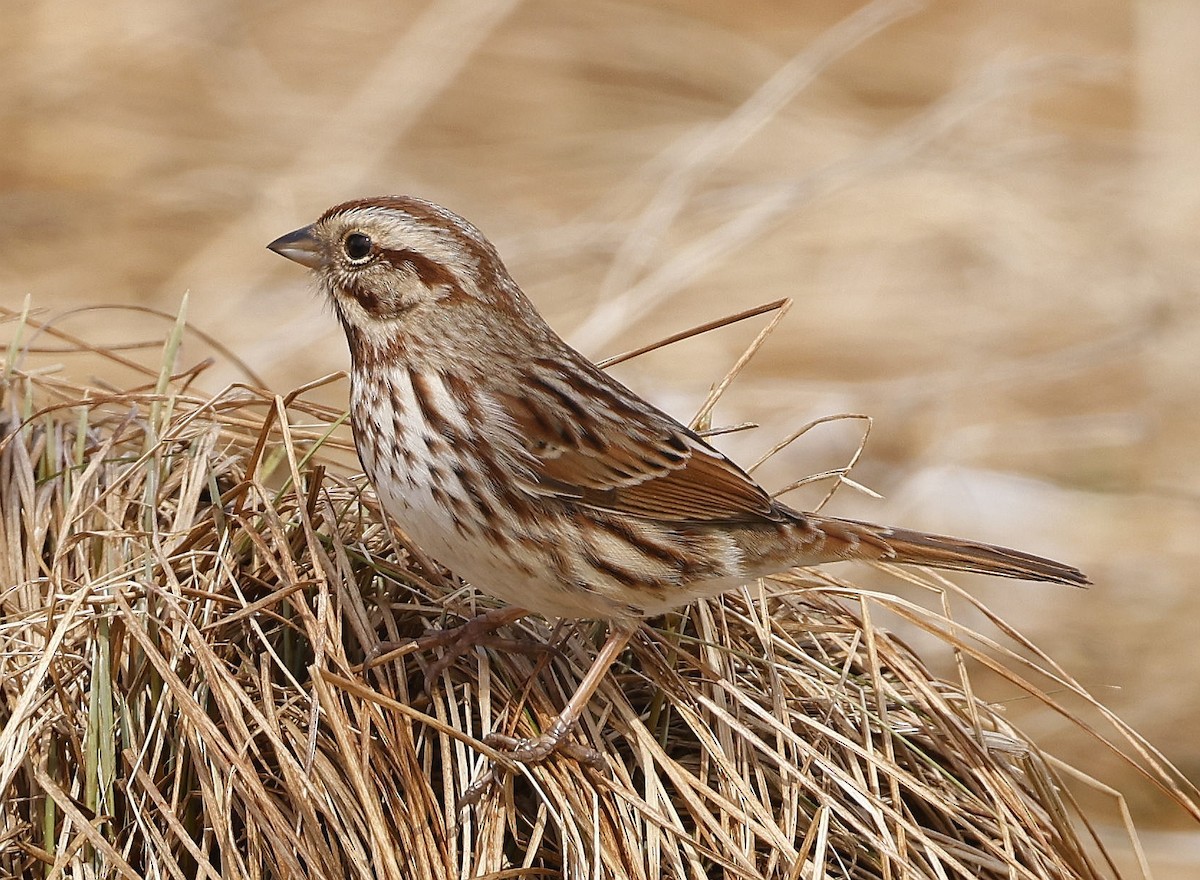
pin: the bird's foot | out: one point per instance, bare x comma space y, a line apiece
538, 748
456, 641
531, 750
535, 749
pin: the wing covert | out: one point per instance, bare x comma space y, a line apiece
621, 454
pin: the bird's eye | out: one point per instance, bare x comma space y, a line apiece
357, 246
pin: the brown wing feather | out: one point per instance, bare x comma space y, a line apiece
626, 456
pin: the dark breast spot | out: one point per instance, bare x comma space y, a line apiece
423, 394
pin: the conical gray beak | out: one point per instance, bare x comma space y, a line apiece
301, 246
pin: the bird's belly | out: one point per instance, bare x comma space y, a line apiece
544, 554
512, 570
521, 573
561, 585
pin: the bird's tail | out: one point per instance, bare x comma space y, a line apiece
850, 539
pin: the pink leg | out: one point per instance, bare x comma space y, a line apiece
456, 640
530, 751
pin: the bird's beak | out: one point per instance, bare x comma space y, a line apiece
301, 246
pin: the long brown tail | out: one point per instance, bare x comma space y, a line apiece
850, 539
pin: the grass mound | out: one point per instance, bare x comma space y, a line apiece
190, 583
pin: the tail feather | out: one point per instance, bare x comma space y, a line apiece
850, 539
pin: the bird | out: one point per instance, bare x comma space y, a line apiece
532, 474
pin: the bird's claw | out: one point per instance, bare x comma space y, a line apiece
455, 641
533, 750
529, 750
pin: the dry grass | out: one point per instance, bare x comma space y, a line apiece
993, 250
191, 581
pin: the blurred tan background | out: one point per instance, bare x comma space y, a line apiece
987, 215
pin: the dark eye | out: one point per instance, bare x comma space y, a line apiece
357, 246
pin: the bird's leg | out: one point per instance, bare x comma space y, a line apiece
538, 748
457, 640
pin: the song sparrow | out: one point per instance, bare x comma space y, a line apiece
534, 475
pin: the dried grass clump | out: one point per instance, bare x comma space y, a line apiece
191, 582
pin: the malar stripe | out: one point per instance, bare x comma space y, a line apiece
363, 295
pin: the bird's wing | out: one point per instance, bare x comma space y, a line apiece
592, 440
